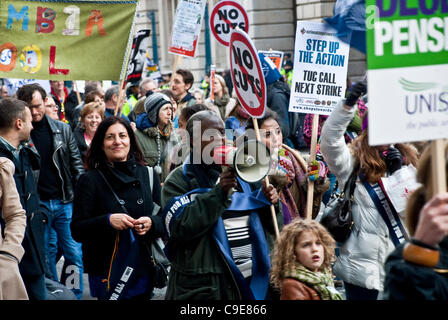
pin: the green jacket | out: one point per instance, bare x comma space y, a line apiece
198, 268
147, 140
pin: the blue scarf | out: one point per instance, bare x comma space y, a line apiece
142, 122
241, 201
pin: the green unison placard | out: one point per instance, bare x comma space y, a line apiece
403, 33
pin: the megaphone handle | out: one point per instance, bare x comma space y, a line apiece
231, 190
274, 217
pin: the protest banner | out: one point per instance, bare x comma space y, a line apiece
61, 40
138, 55
407, 62
187, 27
319, 78
226, 16
275, 56
320, 69
247, 74
249, 85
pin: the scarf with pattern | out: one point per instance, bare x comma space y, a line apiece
294, 172
321, 282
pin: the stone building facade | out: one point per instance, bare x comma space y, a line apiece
272, 25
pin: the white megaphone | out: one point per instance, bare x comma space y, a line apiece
251, 160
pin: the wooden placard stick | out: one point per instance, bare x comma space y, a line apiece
274, 218
177, 62
310, 192
438, 162
121, 97
78, 96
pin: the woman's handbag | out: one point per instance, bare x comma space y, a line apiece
337, 214
159, 260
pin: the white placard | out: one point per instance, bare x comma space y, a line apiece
187, 27
12, 85
412, 105
320, 68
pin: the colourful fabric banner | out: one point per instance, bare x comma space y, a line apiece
64, 39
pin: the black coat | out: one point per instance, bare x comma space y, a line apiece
277, 99
94, 202
408, 281
66, 157
81, 142
25, 177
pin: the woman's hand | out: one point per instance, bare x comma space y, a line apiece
269, 192
121, 221
142, 225
317, 171
432, 226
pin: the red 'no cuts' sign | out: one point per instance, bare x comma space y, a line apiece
247, 74
226, 16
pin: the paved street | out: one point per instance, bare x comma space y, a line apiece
159, 294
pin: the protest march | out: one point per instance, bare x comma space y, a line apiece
190, 150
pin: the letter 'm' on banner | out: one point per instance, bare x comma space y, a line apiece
22, 15
95, 18
44, 20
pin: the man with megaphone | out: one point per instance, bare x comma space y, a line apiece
218, 237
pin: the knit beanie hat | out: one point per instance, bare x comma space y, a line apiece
270, 71
153, 103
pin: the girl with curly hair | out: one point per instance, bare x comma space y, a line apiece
301, 262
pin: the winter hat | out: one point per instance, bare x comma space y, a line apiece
288, 65
153, 103
270, 71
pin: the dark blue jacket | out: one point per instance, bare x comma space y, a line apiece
25, 176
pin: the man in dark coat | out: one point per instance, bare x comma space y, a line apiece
15, 128
218, 248
61, 166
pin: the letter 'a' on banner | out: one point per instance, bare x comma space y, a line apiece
64, 40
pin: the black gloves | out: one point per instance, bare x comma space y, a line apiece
359, 89
393, 159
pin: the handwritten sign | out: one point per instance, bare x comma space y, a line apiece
187, 27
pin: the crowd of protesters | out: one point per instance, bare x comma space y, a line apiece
93, 172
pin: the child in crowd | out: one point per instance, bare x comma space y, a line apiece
301, 262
